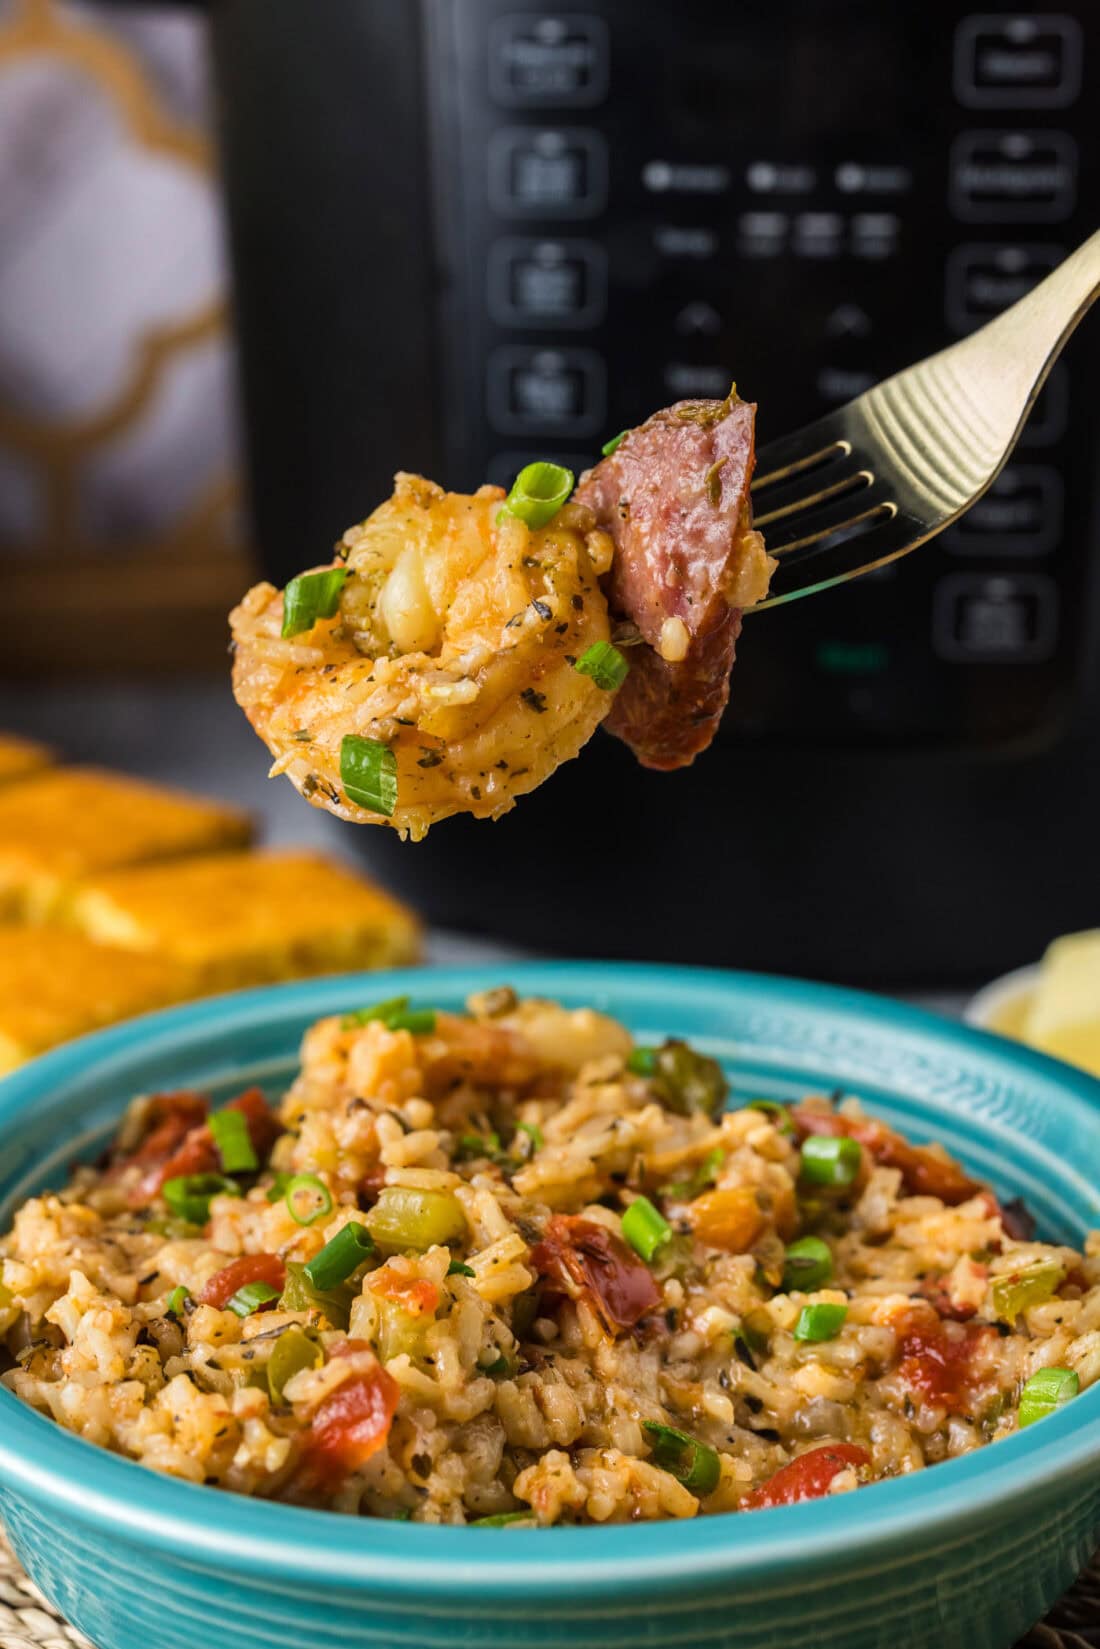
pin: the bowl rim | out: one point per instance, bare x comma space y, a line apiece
432, 1565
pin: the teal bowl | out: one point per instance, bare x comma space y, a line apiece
968, 1554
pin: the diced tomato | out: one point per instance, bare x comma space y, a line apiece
936, 1359
925, 1171
352, 1423
416, 1295
808, 1477
250, 1268
581, 1257
194, 1151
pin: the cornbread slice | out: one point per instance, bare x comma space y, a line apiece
1065, 1010
58, 828
55, 985
18, 757
243, 919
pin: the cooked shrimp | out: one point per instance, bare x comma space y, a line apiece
453, 645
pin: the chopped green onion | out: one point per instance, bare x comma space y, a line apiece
479, 1145
615, 443
251, 1297
177, 1300
534, 1134
809, 1264
642, 1061
1029, 1286
820, 1322
407, 1217
538, 493
692, 1463
311, 596
645, 1228
234, 1142
686, 1190
605, 664
830, 1160
395, 1014
292, 1352
300, 1295
189, 1195
401, 1515
337, 1260
420, 1021
276, 1191
175, 1229
377, 1010
308, 1198
1046, 1391
779, 1114
368, 771
499, 1365
458, 1268
502, 1520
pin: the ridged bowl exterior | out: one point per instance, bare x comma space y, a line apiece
966, 1556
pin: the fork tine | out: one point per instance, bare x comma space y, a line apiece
835, 560
817, 443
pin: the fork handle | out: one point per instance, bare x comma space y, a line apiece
1030, 335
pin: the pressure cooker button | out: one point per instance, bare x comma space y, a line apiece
996, 619
1013, 177
1021, 514
535, 61
983, 280
547, 282
1018, 62
548, 173
546, 391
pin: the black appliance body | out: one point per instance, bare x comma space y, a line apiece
467, 233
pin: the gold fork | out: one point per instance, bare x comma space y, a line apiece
871, 481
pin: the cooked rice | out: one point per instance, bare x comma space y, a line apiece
520, 1382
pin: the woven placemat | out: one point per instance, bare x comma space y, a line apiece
27, 1621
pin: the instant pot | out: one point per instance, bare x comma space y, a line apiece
470, 233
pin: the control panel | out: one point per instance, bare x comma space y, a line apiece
639, 202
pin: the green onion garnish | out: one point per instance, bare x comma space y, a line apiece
502, 1520
1046, 1391
337, 1260
534, 1134
642, 1061
830, 1160
692, 1463
538, 493
277, 1189
378, 1010
458, 1268
308, 1198
234, 1142
395, 1014
368, 771
177, 1300
809, 1264
293, 1351
499, 1365
779, 1114
311, 596
420, 1021
615, 443
605, 664
252, 1297
645, 1228
189, 1195
820, 1322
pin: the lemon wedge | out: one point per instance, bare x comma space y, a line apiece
1064, 1016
